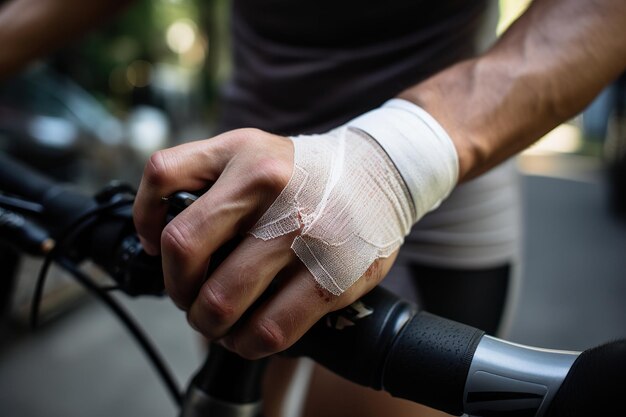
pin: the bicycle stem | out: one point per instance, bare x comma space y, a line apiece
227, 385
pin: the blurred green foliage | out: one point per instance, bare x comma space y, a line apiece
98, 60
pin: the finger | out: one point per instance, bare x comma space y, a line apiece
281, 320
188, 167
235, 285
284, 318
189, 240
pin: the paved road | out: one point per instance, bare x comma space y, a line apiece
574, 287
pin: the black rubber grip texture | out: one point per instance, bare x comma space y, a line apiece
430, 360
595, 385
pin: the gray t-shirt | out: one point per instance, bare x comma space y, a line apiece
308, 66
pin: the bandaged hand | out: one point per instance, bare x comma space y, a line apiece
321, 217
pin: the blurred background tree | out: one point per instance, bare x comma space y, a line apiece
146, 80
161, 53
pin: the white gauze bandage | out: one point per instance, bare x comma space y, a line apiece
356, 191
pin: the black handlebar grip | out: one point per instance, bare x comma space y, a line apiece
353, 342
62, 204
595, 385
429, 362
17, 178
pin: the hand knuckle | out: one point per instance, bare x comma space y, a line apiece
272, 174
157, 170
216, 305
243, 136
251, 133
270, 336
175, 241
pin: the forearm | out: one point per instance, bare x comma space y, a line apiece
544, 70
32, 28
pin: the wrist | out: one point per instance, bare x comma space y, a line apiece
440, 96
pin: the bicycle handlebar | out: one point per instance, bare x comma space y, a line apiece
434, 361
379, 341
62, 203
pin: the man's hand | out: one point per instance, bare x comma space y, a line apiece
246, 170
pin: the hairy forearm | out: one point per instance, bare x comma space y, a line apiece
544, 70
32, 28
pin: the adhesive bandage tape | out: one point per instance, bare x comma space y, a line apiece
419, 147
356, 191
